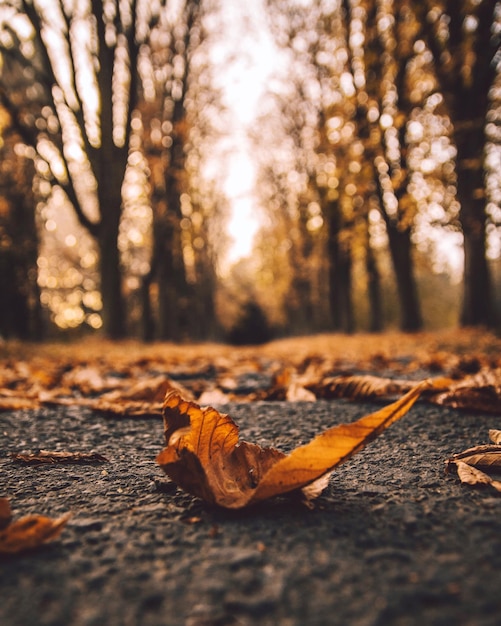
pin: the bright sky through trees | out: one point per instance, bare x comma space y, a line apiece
246, 41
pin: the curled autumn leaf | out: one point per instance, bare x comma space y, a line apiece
486, 457
473, 463
28, 532
471, 475
205, 457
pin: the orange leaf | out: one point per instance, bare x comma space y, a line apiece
205, 457
30, 532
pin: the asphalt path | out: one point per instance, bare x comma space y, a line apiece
392, 541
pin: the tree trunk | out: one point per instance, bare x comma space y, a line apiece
109, 176
113, 312
340, 273
147, 320
202, 298
477, 308
172, 287
466, 77
469, 137
403, 266
374, 291
400, 246
20, 311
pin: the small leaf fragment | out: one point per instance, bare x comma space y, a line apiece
29, 532
46, 456
5, 513
495, 436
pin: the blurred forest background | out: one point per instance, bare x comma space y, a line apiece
366, 164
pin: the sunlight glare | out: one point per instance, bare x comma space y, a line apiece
242, 228
253, 60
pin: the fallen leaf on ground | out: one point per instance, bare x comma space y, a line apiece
487, 457
481, 392
471, 462
286, 386
28, 532
495, 436
470, 475
366, 386
360, 387
46, 456
205, 457
297, 393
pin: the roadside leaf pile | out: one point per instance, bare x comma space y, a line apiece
131, 380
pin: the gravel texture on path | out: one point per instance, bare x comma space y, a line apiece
392, 541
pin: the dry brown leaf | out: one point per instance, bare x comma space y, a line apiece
472, 476
46, 456
205, 457
495, 436
487, 457
472, 461
361, 387
29, 532
481, 392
